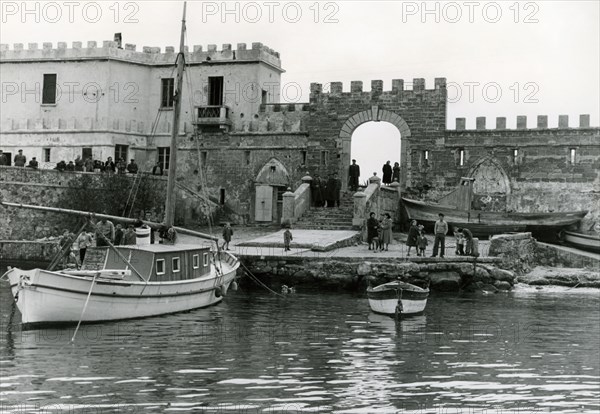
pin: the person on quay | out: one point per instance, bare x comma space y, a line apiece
413, 234
109, 165
372, 226
460, 242
157, 169
227, 233
422, 241
440, 230
132, 167
84, 240
387, 173
468, 240
287, 237
396, 172
107, 229
353, 176
20, 159
33, 164
386, 231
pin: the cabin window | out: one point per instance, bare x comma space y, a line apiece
49, 89
461, 157
46, 157
168, 92
175, 262
160, 266
205, 256
195, 261
572, 155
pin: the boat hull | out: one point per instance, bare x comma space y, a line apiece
45, 297
583, 241
384, 298
544, 226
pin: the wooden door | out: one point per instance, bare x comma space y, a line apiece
264, 203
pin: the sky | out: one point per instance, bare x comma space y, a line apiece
503, 58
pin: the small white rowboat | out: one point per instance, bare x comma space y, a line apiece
397, 298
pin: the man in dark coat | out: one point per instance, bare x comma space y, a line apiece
387, 173
20, 159
316, 191
132, 167
372, 226
337, 188
353, 175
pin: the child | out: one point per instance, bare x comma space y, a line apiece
227, 233
460, 242
287, 238
421, 242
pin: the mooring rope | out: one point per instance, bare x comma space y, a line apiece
257, 281
84, 306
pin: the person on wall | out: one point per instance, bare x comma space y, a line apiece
353, 175
396, 172
387, 173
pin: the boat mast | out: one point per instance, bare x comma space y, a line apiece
170, 203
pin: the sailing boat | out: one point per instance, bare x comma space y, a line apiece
457, 210
128, 281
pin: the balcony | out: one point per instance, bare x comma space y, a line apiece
213, 116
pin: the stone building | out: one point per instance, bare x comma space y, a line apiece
248, 148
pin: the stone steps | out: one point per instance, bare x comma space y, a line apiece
325, 218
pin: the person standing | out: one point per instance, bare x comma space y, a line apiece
109, 165
118, 235
372, 226
440, 230
316, 191
129, 237
331, 191
78, 163
396, 172
84, 240
337, 189
157, 169
287, 238
413, 234
460, 241
121, 166
20, 159
468, 240
422, 241
89, 164
353, 175
387, 173
227, 233
132, 167
386, 233
107, 229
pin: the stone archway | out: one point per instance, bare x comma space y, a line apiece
271, 182
374, 114
492, 184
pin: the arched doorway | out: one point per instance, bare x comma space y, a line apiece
374, 114
491, 187
373, 144
270, 184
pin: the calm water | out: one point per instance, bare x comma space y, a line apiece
528, 351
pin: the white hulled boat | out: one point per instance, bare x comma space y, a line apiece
398, 298
123, 282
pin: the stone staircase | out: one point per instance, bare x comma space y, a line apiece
324, 218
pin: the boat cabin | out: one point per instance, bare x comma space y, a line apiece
154, 262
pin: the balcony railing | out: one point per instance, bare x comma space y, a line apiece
213, 115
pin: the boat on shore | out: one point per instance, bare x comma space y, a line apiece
398, 299
458, 212
582, 241
133, 281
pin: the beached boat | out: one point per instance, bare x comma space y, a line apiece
397, 298
123, 282
457, 211
583, 241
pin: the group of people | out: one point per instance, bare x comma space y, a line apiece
390, 174
325, 192
19, 160
379, 232
416, 238
89, 165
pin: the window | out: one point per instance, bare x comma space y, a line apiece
164, 154
304, 155
264, 97
160, 266
324, 157
515, 155
247, 157
572, 155
195, 261
461, 157
167, 92
205, 257
222, 196
121, 153
46, 154
215, 90
49, 91
175, 262
203, 158
426, 155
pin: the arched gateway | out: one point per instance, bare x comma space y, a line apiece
375, 114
